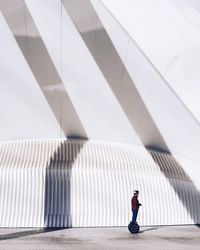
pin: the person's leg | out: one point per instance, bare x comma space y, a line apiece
134, 217
136, 213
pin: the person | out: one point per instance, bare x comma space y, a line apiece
135, 205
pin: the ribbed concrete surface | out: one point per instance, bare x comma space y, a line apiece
63, 183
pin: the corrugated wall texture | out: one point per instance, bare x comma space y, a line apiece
64, 183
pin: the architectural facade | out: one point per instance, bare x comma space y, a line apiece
98, 98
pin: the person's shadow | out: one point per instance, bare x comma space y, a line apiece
148, 229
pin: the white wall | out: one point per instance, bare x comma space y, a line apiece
90, 183
88, 90
24, 111
169, 41
177, 124
57, 79
77, 92
190, 10
73, 87
112, 67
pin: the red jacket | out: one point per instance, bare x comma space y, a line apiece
135, 203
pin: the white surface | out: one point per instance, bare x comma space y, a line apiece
89, 92
56, 183
64, 72
175, 122
168, 40
80, 99
24, 111
59, 183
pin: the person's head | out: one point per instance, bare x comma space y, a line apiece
135, 192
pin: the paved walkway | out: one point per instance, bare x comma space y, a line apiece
151, 238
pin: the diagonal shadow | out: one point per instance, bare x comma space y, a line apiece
112, 68
148, 229
42, 67
107, 58
57, 193
49, 79
182, 184
20, 234
58, 183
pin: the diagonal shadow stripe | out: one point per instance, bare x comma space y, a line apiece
57, 193
144, 55
108, 60
35, 53
112, 67
21, 233
58, 183
110, 64
182, 184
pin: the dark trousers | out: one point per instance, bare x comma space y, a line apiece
135, 213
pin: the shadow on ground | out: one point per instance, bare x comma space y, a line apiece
148, 229
20, 234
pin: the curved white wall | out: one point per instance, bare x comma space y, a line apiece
60, 83
109, 72
168, 40
78, 95
88, 183
174, 120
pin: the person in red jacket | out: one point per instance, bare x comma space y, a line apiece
135, 205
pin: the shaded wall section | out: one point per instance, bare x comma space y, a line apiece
183, 185
58, 184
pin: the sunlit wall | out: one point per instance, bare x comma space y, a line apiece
82, 79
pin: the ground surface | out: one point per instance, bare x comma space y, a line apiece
150, 238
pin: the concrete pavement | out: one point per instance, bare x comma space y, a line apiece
151, 238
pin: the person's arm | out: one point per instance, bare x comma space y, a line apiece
138, 204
